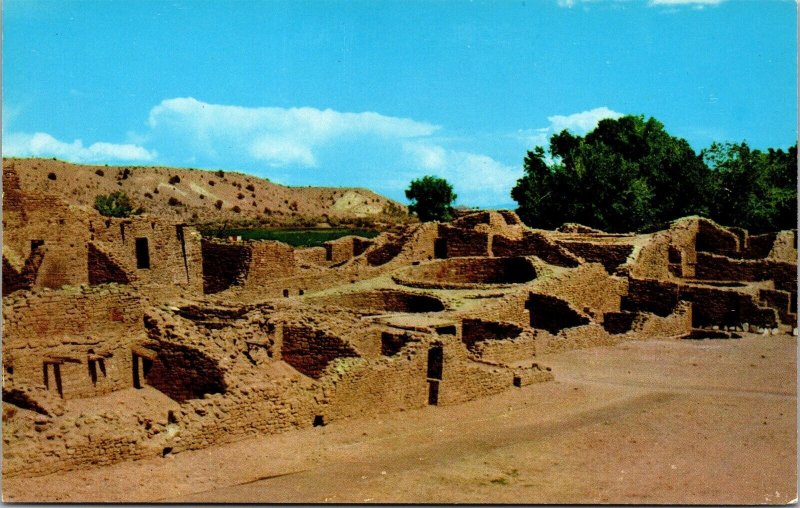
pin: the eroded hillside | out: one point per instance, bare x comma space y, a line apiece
194, 195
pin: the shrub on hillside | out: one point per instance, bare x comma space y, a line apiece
116, 204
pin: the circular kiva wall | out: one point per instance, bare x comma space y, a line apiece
465, 273
381, 301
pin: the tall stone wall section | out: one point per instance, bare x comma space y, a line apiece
72, 327
174, 252
45, 219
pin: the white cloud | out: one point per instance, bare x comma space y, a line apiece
42, 144
578, 123
276, 136
478, 179
583, 122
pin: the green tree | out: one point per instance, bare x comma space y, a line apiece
755, 190
116, 204
627, 174
431, 198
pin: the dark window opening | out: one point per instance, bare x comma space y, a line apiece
440, 248
517, 381
433, 393
319, 421
140, 369
166, 451
56, 368
328, 253
93, 371
142, 253
171, 417
35, 244
122, 231
435, 362
446, 330
286, 293
301, 292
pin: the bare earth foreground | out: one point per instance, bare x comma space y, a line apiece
678, 421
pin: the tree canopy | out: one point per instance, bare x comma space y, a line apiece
431, 198
629, 174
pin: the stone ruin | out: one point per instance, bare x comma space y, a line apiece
134, 338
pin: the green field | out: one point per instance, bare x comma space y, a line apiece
294, 237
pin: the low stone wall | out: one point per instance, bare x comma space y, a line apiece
310, 351
611, 256
534, 244
464, 273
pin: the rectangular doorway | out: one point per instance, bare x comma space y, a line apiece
142, 253
435, 361
433, 392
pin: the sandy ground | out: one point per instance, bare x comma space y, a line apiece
710, 421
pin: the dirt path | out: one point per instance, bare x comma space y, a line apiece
645, 422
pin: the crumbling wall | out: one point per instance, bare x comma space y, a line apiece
183, 372
160, 256
714, 238
45, 220
467, 272
474, 331
553, 314
589, 288
785, 247
104, 269
81, 337
534, 244
380, 301
610, 255
224, 265
464, 242
509, 351
650, 295
345, 248
309, 350
677, 324
580, 337
356, 388
619, 322
782, 301
724, 307
716, 267
759, 246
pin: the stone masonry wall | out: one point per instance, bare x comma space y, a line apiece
72, 328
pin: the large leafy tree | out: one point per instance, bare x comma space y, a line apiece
627, 174
431, 198
755, 190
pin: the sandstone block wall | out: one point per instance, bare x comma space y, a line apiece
174, 252
611, 256
43, 219
464, 242
534, 244
73, 329
224, 265
309, 351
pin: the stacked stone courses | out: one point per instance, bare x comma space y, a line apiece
125, 339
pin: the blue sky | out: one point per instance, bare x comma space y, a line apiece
376, 93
